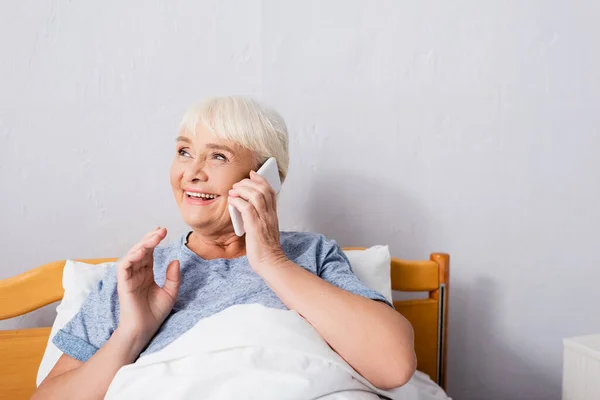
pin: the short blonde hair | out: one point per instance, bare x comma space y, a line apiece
246, 122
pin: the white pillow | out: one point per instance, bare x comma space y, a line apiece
372, 267
78, 281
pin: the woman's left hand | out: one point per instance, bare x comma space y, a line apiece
255, 200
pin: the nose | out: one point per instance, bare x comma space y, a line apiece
196, 172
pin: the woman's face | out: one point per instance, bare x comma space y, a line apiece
203, 171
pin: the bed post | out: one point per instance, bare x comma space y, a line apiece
441, 295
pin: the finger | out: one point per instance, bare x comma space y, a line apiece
255, 180
253, 196
151, 233
142, 256
261, 180
146, 237
155, 239
151, 241
136, 257
243, 181
262, 187
123, 273
249, 213
147, 248
173, 279
132, 257
248, 181
141, 244
126, 265
256, 177
140, 262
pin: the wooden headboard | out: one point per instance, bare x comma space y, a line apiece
21, 350
429, 317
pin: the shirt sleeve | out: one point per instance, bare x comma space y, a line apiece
94, 323
335, 268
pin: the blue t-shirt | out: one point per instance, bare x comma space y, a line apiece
207, 287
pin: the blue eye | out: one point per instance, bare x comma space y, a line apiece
220, 157
183, 153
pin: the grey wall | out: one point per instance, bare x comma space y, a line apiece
470, 127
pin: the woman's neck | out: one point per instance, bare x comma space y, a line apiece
223, 246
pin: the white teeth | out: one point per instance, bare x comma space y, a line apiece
202, 195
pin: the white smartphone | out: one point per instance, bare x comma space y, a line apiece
270, 172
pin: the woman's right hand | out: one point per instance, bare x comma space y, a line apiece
143, 304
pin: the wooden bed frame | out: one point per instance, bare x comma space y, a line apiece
21, 350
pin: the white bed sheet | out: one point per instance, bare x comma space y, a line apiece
254, 352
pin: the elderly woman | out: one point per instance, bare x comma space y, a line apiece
154, 294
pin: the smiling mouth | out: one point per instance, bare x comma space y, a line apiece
201, 196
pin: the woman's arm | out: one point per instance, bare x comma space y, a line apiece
143, 306
73, 379
374, 339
